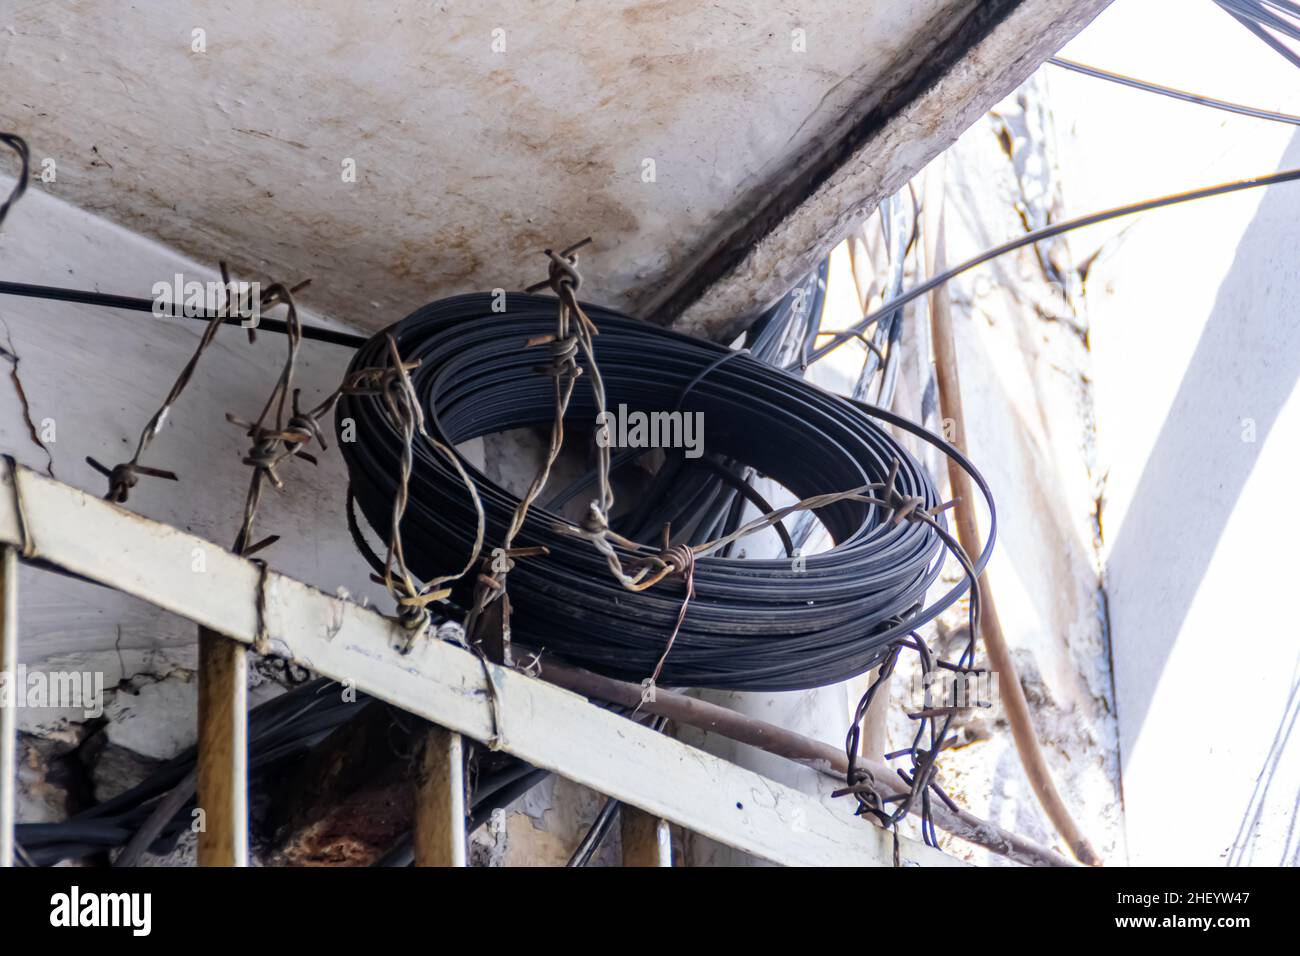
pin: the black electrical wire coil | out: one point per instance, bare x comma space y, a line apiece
754, 624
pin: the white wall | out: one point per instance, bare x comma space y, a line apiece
1194, 336
98, 375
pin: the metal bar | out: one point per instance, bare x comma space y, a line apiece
223, 750
9, 712
447, 685
440, 800
646, 839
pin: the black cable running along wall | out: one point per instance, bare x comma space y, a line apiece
754, 624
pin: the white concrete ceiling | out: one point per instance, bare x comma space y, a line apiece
469, 158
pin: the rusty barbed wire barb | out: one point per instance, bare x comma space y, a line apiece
126, 475
682, 559
270, 444
392, 383
924, 760
572, 335
922, 778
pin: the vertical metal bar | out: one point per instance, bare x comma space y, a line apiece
647, 840
875, 720
9, 712
223, 750
440, 800
664, 842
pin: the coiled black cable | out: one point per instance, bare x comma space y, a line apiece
705, 495
754, 624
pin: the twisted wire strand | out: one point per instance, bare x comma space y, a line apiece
755, 624
124, 476
857, 330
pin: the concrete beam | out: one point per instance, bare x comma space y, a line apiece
790, 229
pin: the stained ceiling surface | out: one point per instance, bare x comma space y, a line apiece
397, 152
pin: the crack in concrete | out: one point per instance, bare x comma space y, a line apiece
12, 357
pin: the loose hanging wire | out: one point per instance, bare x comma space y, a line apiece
280, 432
573, 331
1176, 94
393, 384
19, 146
1056, 229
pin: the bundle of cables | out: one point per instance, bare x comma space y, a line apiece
766, 624
1276, 22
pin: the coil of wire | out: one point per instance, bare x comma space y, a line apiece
771, 624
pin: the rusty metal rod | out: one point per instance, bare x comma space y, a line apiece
804, 750
222, 751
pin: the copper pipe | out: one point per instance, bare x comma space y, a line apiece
1013, 696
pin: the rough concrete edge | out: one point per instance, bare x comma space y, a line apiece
913, 134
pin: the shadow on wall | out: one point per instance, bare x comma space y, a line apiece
1246, 365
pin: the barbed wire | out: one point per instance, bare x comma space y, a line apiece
573, 332
126, 475
392, 383
922, 775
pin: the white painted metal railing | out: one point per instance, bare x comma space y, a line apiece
451, 687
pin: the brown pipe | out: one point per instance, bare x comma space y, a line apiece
785, 743
995, 644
